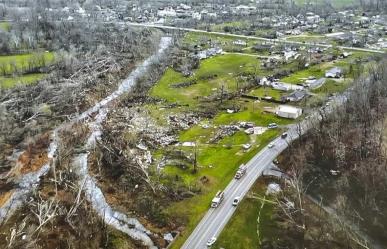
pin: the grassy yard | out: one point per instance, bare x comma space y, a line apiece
332, 86
267, 91
236, 24
10, 64
215, 72
252, 111
241, 231
335, 3
311, 39
20, 80
5, 26
299, 76
224, 41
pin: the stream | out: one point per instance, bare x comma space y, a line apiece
29, 182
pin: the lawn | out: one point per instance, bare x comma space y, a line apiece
236, 24
311, 39
218, 163
10, 64
223, 41
335, 3
215, 72
267, 91
252, 111
241, 230
5, 26
332, 86
6, 82
300, 76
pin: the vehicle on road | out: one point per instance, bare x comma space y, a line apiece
271, 145
217, 199
272, 126
241, 171
211, 241
236, 200
284, 135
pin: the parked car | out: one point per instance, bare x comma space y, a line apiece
272, 126
211, 241
271, 145
284, 135
236, 200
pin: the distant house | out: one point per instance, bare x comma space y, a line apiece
335, 72
286, 111
209, 53
280, 87
240, 43
312, 18
296, 96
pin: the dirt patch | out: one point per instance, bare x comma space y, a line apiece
32, 163
33, 158
4, 197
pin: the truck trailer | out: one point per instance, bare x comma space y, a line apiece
217, 199
241, 171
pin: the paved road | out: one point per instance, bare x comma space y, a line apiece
215, 219
252, 37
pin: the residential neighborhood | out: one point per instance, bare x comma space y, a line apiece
185, 124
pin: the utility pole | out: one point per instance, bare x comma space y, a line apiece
195, 162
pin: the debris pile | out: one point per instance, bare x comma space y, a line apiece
184, 84
224, 131
183, 121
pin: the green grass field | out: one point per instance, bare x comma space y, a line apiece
300, 76
10, 64
5, 26
335, 3
212, 74
267, 91
224, 41
236, 24
14, 67
252, 111
20, 80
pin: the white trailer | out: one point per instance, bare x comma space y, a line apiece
217, 199
241, 171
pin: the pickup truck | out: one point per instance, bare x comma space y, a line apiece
241, 171
217, 199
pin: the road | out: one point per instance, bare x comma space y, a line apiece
252, 37
216, 219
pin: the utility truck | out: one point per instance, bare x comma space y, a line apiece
241, 171
217, 199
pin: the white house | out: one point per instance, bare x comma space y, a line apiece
240, 43
167, 12
287, 111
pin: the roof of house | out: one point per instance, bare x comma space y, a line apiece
289, 109
297, 94
317, 83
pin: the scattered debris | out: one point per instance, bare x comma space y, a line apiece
255, 130
183, 121
224, 131
246, 146
273, 188
188, 144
